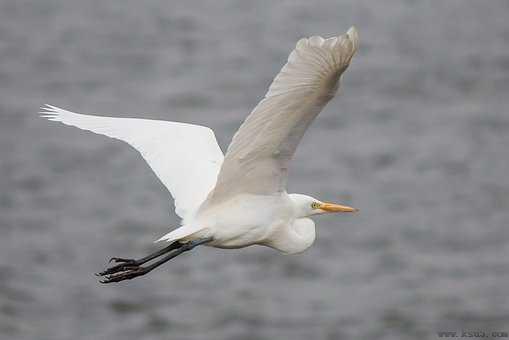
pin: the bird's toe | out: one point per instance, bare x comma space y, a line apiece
121, 260
129, 274
124, 265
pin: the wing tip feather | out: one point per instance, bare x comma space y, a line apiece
317, 41
49, 112
353, 36
54, 113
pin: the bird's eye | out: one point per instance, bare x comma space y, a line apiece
315, 205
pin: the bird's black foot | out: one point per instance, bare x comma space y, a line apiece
124, 264
120, 259
127, 273
127, 269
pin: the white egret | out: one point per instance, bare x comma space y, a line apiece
238, 199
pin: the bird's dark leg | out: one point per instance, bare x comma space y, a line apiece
126, 263
134, 270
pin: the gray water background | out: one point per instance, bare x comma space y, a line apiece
418, 140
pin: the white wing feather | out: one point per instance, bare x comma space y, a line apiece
185, 157
257, 159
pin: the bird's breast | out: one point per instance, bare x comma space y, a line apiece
246, 219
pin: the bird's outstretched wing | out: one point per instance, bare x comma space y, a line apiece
257, 159
185, 157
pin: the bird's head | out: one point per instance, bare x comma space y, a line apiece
308, 206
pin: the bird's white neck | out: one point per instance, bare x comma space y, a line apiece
295, 237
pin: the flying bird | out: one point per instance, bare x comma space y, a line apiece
237, 199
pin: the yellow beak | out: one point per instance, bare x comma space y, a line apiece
332, 207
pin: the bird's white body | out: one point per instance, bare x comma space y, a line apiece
239, 199
257, 219
248, 225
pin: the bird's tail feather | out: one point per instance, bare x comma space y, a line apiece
185, 232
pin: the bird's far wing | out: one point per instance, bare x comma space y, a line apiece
185, 157
257, 159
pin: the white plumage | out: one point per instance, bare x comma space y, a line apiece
257, 159
240, 199
185, 157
